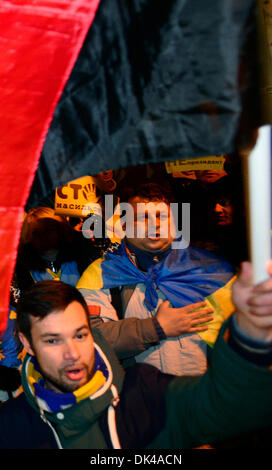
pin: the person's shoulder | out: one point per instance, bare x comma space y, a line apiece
15, 416
13, 406
21, 426
92, 276
209, 258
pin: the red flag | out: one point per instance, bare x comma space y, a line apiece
39, 43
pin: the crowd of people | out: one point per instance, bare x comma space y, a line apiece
144, 321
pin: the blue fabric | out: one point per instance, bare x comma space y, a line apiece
10, 345
185, 276
69, 274
54, 401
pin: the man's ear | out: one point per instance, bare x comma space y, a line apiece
26, 344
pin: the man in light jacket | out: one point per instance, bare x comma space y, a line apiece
149, 297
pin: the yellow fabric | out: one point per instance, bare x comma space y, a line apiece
56, 276
92, 276
221, 302
33, 375
91, 387
12, 315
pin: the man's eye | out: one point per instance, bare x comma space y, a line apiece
51, 341
81, 335
224, 202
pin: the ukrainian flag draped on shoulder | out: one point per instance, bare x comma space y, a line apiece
67, 273
184, 277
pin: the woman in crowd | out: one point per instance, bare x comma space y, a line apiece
50, 248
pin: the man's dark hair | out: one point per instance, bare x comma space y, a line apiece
43, 298
149, 191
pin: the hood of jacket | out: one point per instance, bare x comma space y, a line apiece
76, 425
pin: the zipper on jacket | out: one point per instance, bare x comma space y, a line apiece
42, 415
112, 419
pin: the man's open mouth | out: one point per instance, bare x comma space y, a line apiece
74, 373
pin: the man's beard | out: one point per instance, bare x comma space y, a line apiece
61, 384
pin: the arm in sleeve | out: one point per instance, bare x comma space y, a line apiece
128, 337
232, 398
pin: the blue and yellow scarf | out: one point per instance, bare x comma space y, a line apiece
53, 402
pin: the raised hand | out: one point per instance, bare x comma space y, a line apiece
253, 303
